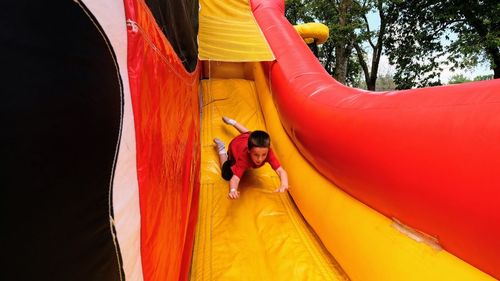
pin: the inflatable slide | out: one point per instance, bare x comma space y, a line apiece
113, 174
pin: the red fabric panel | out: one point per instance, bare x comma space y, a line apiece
167, 121
428, 157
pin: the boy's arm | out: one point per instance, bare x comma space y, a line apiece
240, 128
233, 187
283, 178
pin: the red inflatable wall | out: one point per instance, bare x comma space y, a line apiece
428, 157
166, 112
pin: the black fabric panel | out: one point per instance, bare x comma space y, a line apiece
61, 113
178, 19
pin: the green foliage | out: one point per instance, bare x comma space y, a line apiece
353, 77
459, 78
416, 45
296, 12
385, 82
375, 39
327, 14
347, 23
483, 77
419, 36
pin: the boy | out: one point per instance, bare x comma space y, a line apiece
248, 150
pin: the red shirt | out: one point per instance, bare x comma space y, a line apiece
238, 152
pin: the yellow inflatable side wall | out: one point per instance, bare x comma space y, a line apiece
228, 32
367, 245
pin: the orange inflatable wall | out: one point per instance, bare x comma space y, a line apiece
167, 121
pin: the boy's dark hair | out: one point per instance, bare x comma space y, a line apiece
259, 139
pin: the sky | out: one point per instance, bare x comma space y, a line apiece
446, 74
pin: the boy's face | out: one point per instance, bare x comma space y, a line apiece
258, 155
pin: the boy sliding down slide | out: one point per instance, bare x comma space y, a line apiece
248, 150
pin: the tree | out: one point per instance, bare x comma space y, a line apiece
416, 44
344, 42
483, 77
343, 55
384, 83
366, 35
296, 12
458, 78
335, 54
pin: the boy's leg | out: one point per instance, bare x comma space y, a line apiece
235, 124
222, 159
221, 150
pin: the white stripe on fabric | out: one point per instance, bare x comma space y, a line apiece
126, 209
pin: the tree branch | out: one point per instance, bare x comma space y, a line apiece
445, 26
336, 5
369, 32
362, 62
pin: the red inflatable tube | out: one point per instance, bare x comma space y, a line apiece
427, 157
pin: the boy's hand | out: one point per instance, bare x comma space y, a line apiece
234, 194
282, 188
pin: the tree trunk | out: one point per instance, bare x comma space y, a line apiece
372, 74
377, 50
343, 48
370, 84
314, 48
342, 54
495, 54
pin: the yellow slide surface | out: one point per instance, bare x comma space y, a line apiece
260, 236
